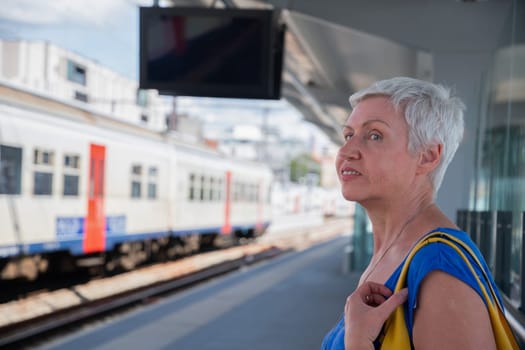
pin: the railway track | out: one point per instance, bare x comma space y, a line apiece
21, 333
53, 314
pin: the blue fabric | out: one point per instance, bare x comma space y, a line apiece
432, 257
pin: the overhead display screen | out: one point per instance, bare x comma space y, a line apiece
210, 52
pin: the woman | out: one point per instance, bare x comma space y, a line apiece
398, 142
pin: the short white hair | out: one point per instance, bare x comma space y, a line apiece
433, 116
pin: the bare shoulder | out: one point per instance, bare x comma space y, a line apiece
450, 314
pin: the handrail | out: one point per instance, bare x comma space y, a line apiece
512, 313
517, 327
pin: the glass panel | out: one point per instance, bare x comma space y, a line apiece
43, 157
142, 98
135, 189
71, 161
152, 191
43, 183
203, 182
76, 73
136, 169
219, 190
501, 180
71, 185
10, 170
192, 187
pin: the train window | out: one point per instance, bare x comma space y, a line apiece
71, 174
136, 181
43, 157
71, 161
142, 98
152, 182
219, 190
10, 170
71, 185
80, 96
152, 190
203, 182
76, 73
135, 189
212, 189
136, 170
192, 187
43, 183
43, 174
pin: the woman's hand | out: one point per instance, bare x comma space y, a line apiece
366, 310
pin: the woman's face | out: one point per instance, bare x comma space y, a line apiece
374, 162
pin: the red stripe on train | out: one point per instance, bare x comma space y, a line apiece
227, 227
94, 230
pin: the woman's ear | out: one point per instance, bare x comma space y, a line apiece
429, 158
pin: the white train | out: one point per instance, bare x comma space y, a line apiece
81, 189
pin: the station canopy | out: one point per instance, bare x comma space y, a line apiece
336, 47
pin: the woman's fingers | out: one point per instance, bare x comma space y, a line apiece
386, 307
371, 293
366, 310
368, 288
374, 299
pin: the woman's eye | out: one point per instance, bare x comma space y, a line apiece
375, 136
347, 137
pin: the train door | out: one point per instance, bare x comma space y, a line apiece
94, 230
227, 227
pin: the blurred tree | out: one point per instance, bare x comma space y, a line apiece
305, 168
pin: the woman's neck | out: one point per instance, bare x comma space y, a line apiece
393, 219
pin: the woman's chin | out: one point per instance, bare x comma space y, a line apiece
352, 197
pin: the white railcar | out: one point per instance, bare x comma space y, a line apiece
85, 188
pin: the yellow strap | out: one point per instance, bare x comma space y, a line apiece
396, 334
475, 257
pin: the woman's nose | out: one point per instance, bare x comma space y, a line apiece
350, 150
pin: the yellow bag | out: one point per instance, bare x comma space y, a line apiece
395, 331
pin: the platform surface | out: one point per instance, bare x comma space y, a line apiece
286, 303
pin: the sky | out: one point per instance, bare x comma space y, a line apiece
103, 30
107, 32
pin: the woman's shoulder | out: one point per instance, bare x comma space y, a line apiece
447, 259
441, 256
432, 257
442, 284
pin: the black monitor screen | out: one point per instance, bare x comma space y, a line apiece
207, 52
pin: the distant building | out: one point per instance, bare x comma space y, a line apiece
46, 68
252, 142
